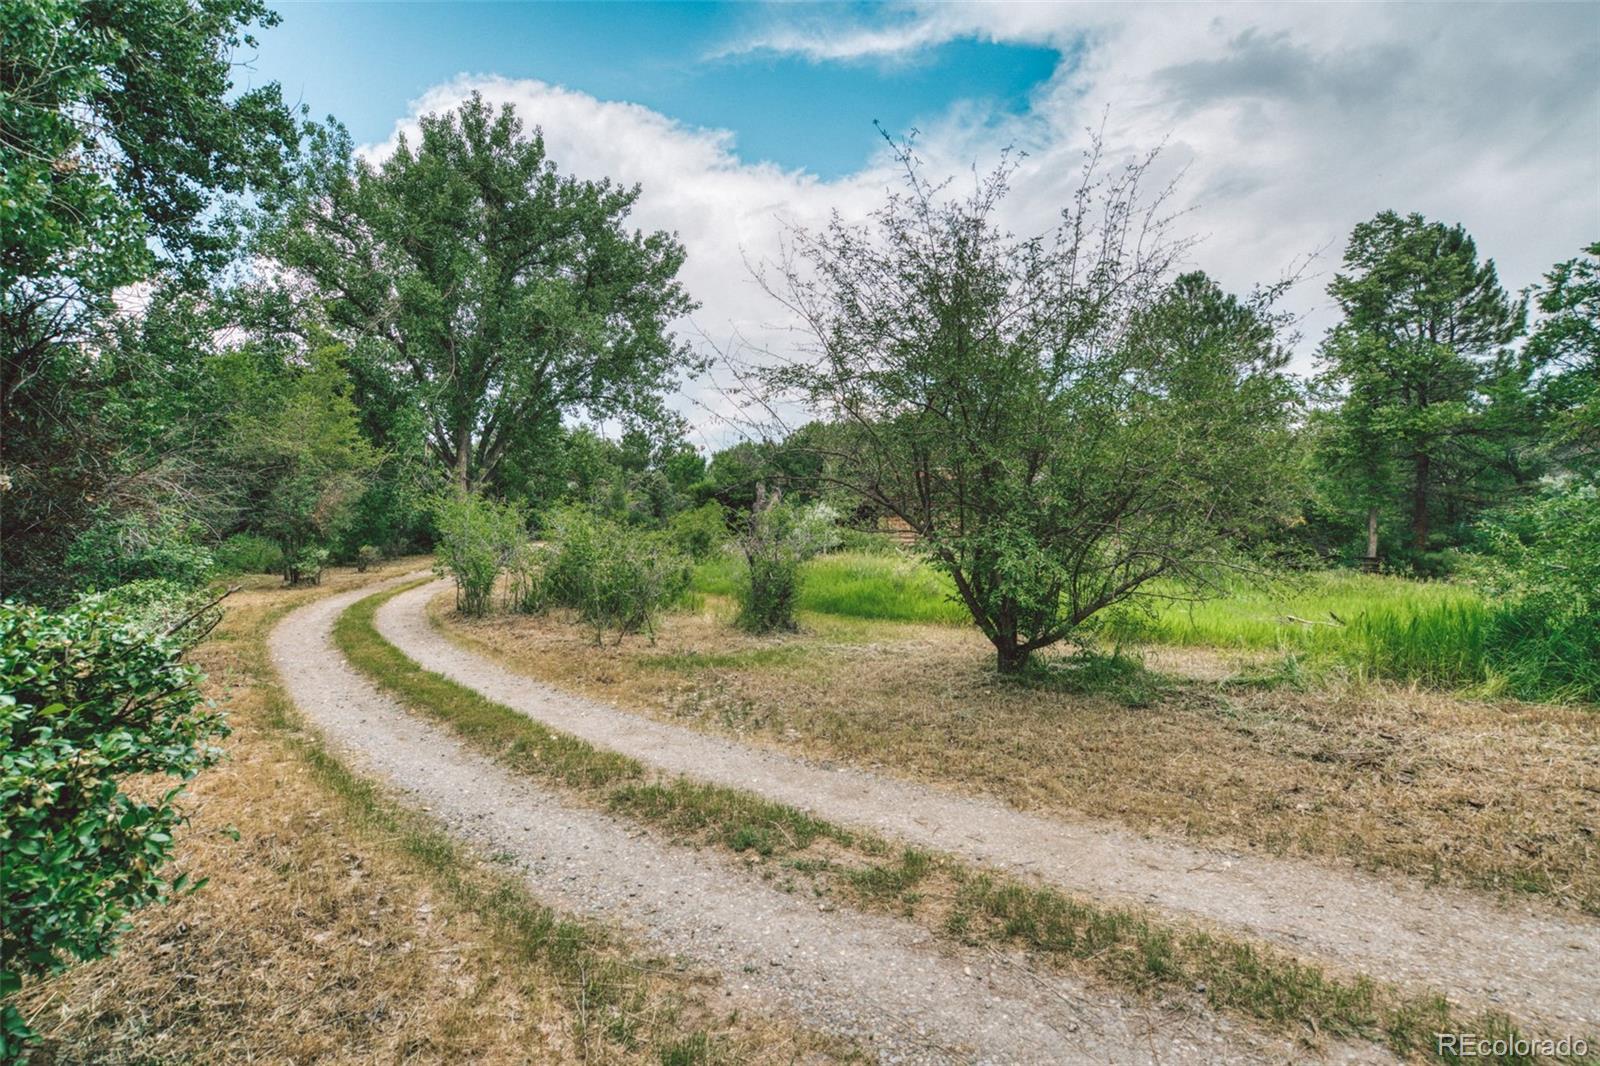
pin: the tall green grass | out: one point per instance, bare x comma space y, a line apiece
1429, 632
891, 588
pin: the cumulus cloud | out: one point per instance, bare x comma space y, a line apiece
1290, 122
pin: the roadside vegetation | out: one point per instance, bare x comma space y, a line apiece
335, 923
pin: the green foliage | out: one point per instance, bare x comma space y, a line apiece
249, 553
526, 299
122, 139
1429, 402
1057, 418
136, 547
297, 433
1564, 350
777, 539
367, 557
700, 533
616, 578
1542, 572
867, 542
88, 700
478, 538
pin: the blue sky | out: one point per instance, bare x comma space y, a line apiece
1282, 125
365, 62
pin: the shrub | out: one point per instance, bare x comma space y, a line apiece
133, 547
249, 553
367, 557
88, 700
1542, 571
614, 577
778, 538
305, 565
700, 533
478, 537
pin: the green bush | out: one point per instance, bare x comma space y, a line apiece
1542, 572
132, 547
249, 553
869, 542
700, 533
478, 537
778, 538
615, 577
367, 557
305, 566
88, 700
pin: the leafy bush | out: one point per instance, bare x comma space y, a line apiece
88, 700
778, 538
133, 547
478, 537
157, 607
614, 577
305, 565
1542, 571
700, 533
249, 553
367, 557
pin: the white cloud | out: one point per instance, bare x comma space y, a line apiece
1294, 122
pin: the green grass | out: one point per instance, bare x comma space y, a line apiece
1375, 626
1119, 944
891, 588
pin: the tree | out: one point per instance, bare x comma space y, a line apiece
296, 434
122, 140
1059, 422
1416, 362
1564, 350
505, 294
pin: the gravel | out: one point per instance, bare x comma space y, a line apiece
1537, 963
875, 979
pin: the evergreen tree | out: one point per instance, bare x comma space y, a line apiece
1426, 387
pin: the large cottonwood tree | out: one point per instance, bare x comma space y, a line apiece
504, 293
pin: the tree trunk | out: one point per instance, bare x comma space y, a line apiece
1010, 658
461, 475
1370, 561
1419, 505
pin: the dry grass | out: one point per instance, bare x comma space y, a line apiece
336, 928
1179, 963
1502, 795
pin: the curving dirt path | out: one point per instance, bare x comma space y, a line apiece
879, 980
1527, 959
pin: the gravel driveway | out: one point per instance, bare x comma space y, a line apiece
875, 979
1527, 958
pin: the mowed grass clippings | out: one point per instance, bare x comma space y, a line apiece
337, 927
1120, 946
1497, 795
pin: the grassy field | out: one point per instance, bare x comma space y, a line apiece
1377, 626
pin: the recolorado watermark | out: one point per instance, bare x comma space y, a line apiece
1476, 1045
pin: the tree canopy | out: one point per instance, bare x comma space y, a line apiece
504, 293
1059, 419
1418, 363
